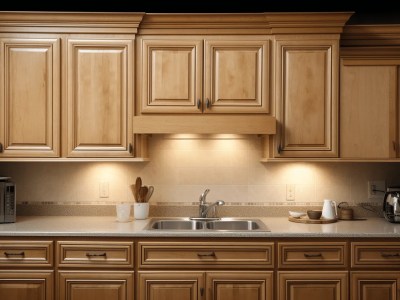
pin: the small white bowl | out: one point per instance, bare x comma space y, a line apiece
296, 214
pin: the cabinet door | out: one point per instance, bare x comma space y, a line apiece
237, 75
375, 285
368, 99
30, 97
102, 285
99, 98
308, 285
179, 285
306, 98
170, 75
239, 285
26, 285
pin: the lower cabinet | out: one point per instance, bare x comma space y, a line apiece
371, 285
26, 285
95, 285
313, 285
224, 285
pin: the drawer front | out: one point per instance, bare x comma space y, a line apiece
312, 255
375, 254
26, 253
192, 254
95, 254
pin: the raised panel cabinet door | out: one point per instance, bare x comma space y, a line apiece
375, 285
99, 98
306, 98
237, 75
30, 97
368, 100
99, 285
169, 75
26, 285
169, 285
239, 285
310, 285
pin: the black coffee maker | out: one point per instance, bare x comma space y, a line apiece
391, 204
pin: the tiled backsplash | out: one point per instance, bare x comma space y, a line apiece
183, 166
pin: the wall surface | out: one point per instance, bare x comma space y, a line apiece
183, 166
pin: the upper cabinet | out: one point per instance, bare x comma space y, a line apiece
306, 73
369, 102
306, 96
209, 74
68, 82
99, 97
30, 96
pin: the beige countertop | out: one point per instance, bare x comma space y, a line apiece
109, 227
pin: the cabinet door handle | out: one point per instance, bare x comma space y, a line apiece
390, 255
201, 292
1, 147
198, 104
317, 255
130, 148
7, 254
279, 149
94, 254
206, 254
394, 145
208, 103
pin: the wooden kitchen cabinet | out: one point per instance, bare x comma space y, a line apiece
26, 270
185, 285
95, 285
30, 96
203, 74
369, 101
382, 285
99, 97
306, 97
313, 285
26, 285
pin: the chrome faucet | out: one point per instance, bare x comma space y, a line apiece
205, 207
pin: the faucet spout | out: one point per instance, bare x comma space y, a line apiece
208, 207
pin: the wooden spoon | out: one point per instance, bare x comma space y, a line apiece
151, 190
138, 185
143, 194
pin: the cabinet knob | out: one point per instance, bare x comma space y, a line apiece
198, 104
208, 103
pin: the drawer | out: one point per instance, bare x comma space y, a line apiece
312, 255
203, 254
95, 254
375, 254
26, 253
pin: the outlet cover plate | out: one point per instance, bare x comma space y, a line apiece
379, 186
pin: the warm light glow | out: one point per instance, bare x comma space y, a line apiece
299, 173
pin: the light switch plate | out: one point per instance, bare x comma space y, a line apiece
290, 192
103, 189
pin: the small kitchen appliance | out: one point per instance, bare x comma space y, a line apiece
391, 204
7, 200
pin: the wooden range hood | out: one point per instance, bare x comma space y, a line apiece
200, 124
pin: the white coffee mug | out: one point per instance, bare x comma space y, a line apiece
141, 211
123, 212
329, 210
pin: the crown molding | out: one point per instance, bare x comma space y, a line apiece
371, 35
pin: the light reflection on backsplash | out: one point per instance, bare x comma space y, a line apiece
183, 166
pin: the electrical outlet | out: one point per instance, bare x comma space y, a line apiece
290, 192
376, 189
103, 189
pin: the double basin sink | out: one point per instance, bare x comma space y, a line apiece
223, 224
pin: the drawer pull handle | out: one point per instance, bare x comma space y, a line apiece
91, 254
206, 254
389, 255
22, 253
307, 255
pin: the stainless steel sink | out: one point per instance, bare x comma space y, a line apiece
176, 225
224, 224
235, 225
